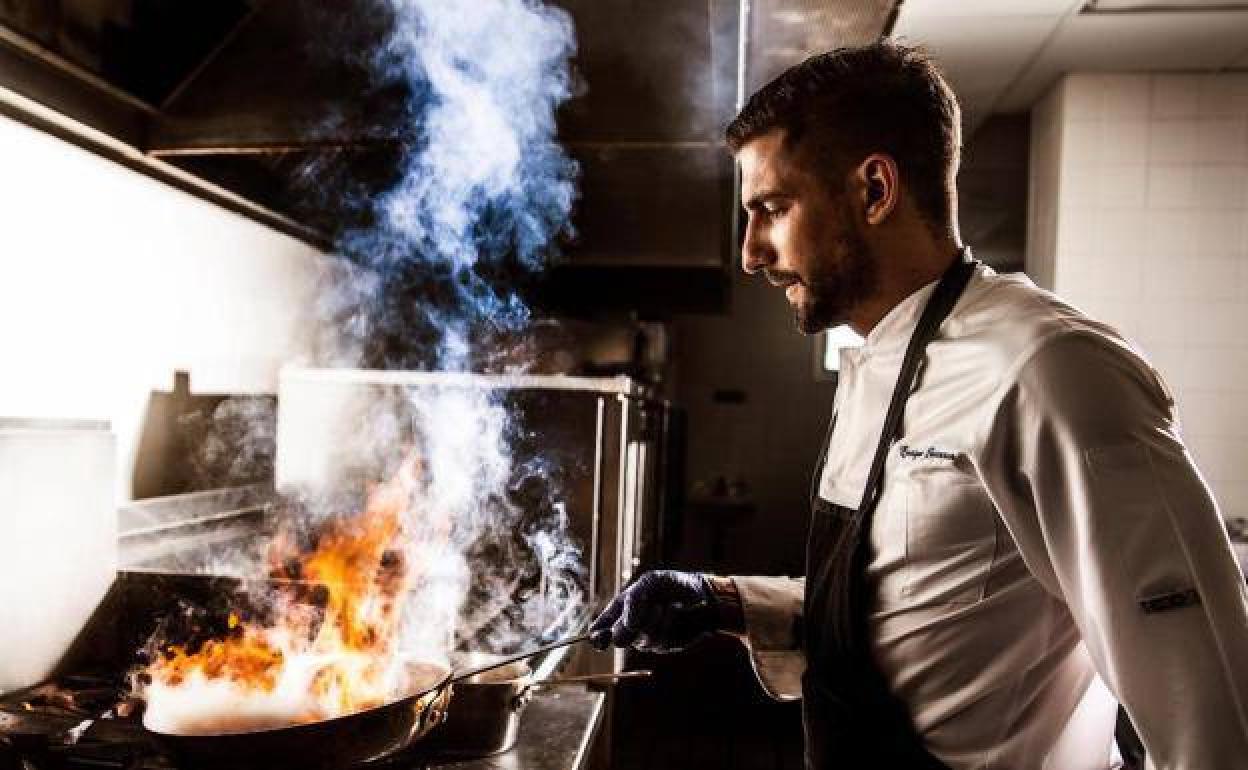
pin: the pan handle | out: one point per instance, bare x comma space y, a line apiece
462, 675
526, 694
592, 678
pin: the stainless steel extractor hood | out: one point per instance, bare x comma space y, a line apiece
269, 107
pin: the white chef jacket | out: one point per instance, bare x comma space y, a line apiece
1038, 493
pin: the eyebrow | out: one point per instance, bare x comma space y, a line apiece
758, 199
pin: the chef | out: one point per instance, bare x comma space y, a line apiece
1008, 536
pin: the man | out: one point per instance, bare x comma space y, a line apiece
1008, 535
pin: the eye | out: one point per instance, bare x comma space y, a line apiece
774, 208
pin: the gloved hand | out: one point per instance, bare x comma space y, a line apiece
662, 611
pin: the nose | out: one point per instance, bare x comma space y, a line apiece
756, 252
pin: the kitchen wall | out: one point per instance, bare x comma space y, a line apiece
111, 281
992, 191
756, 417
1139, 216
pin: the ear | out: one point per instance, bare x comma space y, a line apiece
879, 187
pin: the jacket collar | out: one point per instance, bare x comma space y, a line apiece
893, 330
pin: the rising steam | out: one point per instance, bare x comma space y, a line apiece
509, 574
483, 191
485, 188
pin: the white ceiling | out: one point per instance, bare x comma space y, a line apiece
1003, 55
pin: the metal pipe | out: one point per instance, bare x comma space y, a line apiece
595, 546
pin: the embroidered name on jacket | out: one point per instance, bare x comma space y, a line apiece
931, 453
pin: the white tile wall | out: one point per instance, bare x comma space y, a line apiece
1139, 215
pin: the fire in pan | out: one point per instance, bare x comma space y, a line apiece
339, 742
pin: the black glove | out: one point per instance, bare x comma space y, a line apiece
662, 611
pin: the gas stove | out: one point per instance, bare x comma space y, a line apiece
74, 721
84, 716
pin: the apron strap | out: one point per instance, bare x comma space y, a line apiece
936, 311
817, 478
849, 711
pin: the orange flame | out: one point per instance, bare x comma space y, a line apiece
249, 660
339, 658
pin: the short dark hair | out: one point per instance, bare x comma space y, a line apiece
885, 97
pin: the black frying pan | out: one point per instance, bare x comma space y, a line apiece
334, 743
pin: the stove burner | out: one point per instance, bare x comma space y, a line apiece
74, 722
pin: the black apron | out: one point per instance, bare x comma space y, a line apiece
851, 718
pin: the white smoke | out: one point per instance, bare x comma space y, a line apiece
483, 186
509, 573
484, 183
495, 74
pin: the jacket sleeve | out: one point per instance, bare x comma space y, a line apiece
1084, 460
772, 608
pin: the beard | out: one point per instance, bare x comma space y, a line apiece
845, 276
